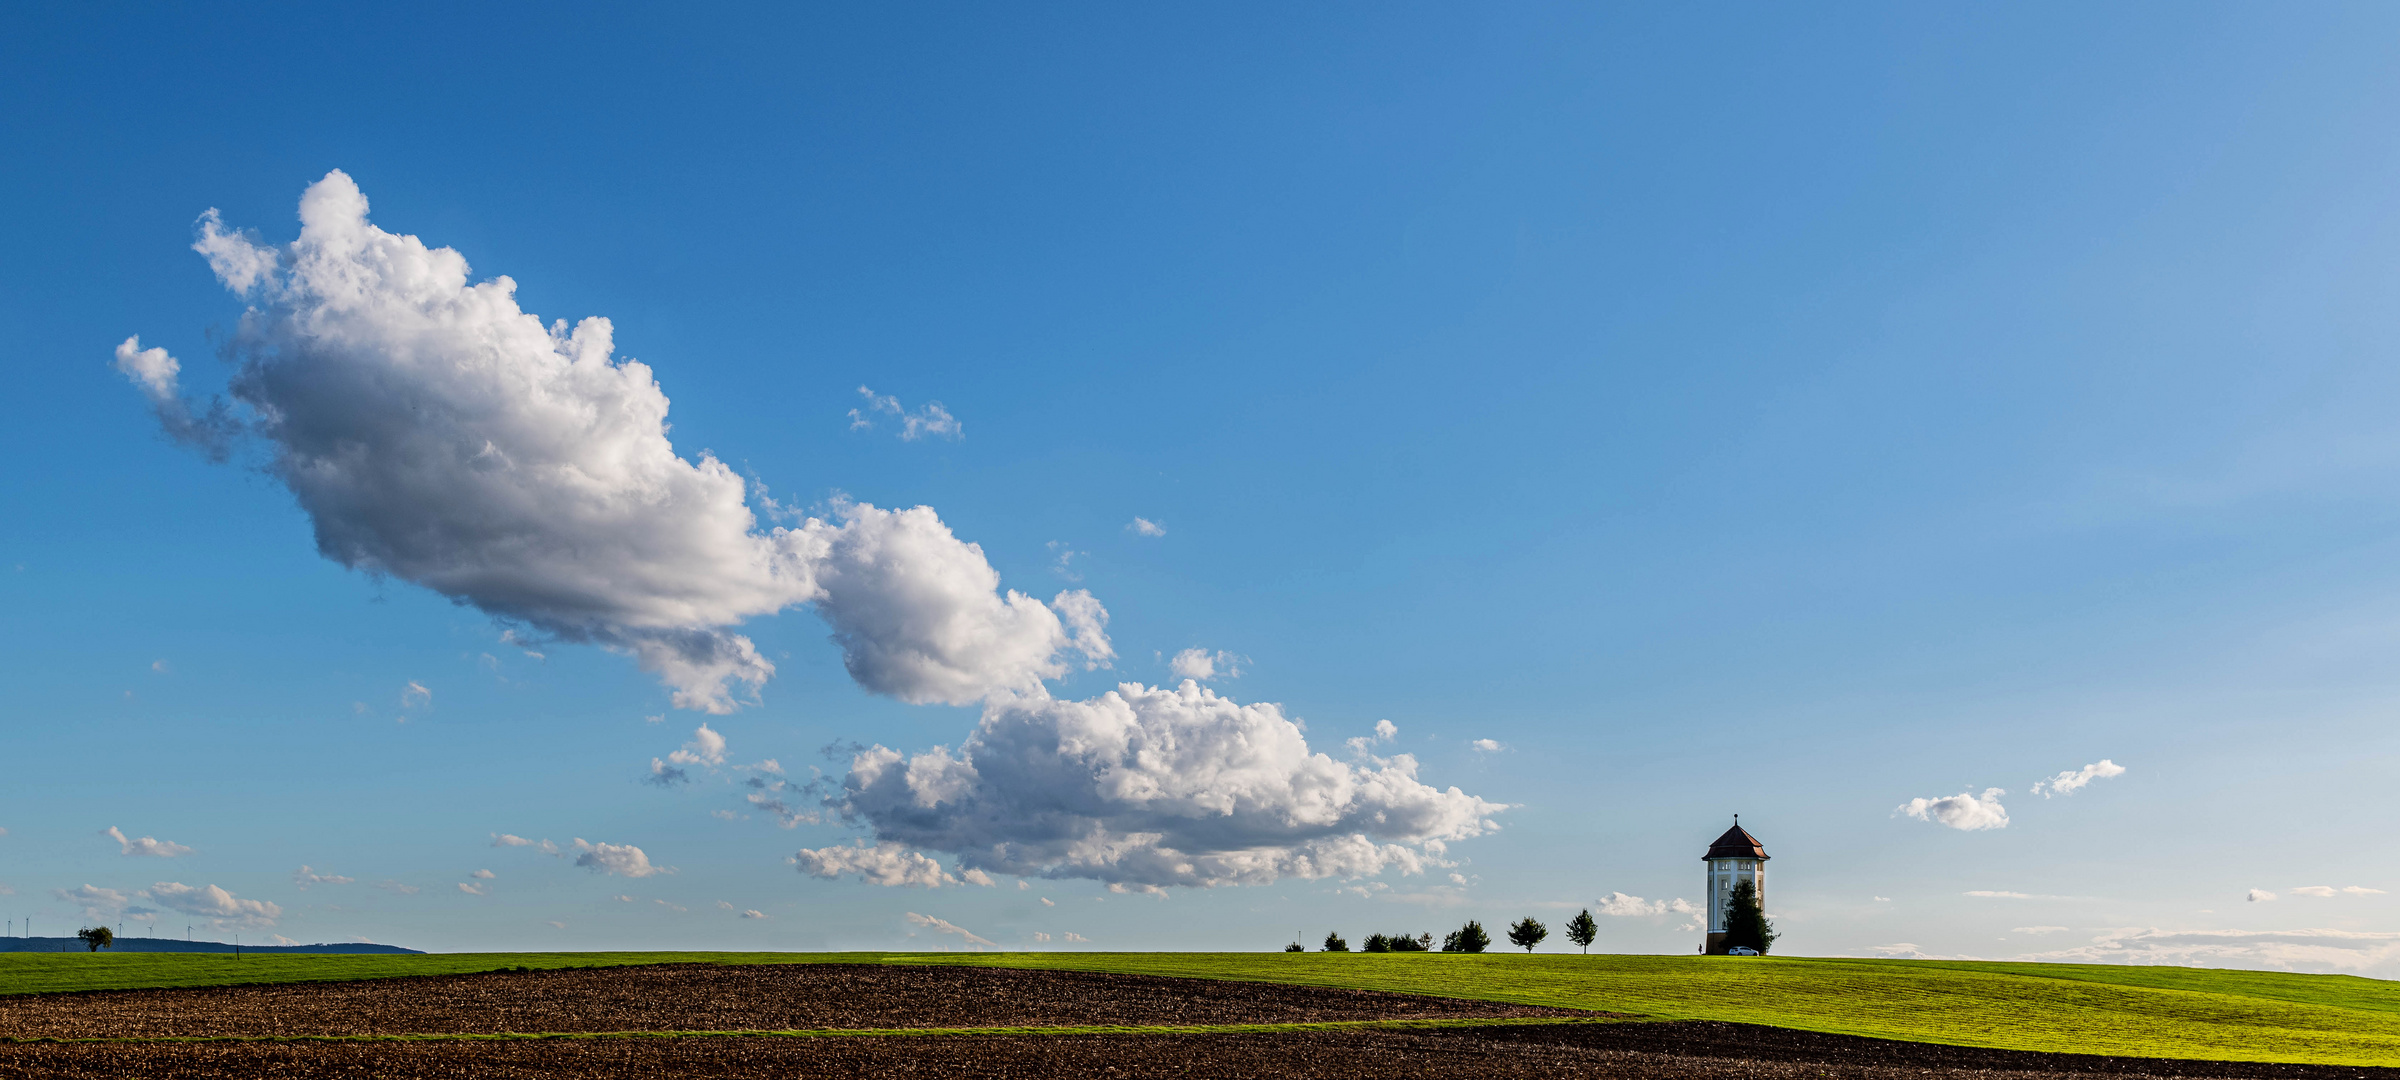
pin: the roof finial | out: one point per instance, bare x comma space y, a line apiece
1737, 820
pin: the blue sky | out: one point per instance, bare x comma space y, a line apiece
1652, 415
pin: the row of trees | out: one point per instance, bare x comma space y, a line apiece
1471, 938
1746, 925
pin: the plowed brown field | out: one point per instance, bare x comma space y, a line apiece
703, 997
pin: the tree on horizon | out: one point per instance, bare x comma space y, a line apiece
1526, 933
1746, 921
96, 938
1582, 930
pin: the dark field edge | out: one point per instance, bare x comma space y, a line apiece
1758, 1042
1685, 1039
878, 1033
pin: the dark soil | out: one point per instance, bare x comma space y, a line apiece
708, 997
687, 997
1455, 1054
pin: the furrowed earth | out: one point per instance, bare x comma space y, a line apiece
920, 1021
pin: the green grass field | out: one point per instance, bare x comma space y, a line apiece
2078, 1008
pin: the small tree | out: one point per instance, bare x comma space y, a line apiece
1746, 922
1467, 939
1334, 943
1294, 947
1405, 943
1582, 930
1375, 943
1526, 933
96, 938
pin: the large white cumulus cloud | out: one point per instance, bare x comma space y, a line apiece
436, 432
1150, 786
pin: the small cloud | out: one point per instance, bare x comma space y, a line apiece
1883, 899
95, 900
1203, 665
512, 840
706, 748
659, 719
887, 864
1142, 526
2320, 891
1488, 746
305, 877
2355, 890
392, 886
976, 877
145, 846
485, 875
2073, 780
1039, 936
723, 906
1385, 731
214, 903
622, 898
1021, 885
415, 695
1624, 905
1047, 902
2039, 930
930, 419
670, 907
754, 913
511, 637
159, 666
1065, 564
556, 923
1073, 936
1962, 811
473, 890
725, 815
944, 926
622, 860
506, 840
2257, 895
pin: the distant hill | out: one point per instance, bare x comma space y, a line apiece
154, 944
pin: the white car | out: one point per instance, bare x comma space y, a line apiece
1741, 950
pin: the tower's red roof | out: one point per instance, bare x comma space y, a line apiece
1736, 844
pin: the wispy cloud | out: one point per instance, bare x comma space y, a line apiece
1142, 526
2364, 952
145, 846
929, 420
944, 926
2073, 780
1623, 905
512, 840
305, 877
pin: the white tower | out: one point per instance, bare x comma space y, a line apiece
1737, 856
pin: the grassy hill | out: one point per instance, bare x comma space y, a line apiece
2078, 1008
